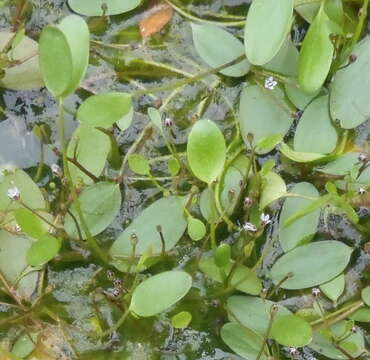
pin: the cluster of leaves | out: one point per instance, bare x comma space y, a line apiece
321, 83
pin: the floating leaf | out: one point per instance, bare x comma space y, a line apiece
253, 312
243, 341
196, 229
207, 39
323, 344
84, 143
316, 54
24, 345
207, 206
206, 150
291, 330
365, 295
315, 132
173, 166
303, 229
298, 97
64, 48
268, 22
273, 188
348, 97
342, 165
181, 320
244, 279
30, 223
139, 164
155, 20
361, 315
155, 117
105, 109
263, 113
25, 75
43, 250
99, 203
222, 255
159, 292
301, 157
168, 213
96, 8
310, 265
13, 252
334, 288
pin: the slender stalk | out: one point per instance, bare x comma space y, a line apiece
118, 324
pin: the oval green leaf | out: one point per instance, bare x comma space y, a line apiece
273, 188
310, 265
196, 229
43, 250
181, 320
95, 7
206, 150
334, 288
207, 39
139, 164
365, 295
297, 156
268, 23
160, 292
99, 203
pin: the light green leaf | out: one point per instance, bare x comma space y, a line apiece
253, 312
173, 166
99, 203
291, 330
301, 157
303, 229
159, 292
297, 96
244, 279
315, 132
155, 117
139, 164
316, 54
268, 22
273, 188
25, 75
243, 341
25, 345
206, 150
145, 229
96, 8
105, 109
207, 206
341, 165
84, 144
64, 47
181, 320
365, 295
361, 315
196, 229
207, 39
13, 252
30, 223
305, 266
263, 113
222, 255
334, 288
43, 250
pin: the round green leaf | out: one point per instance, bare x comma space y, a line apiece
310, 265
196, 229
323, 344
349, 94
315, 132
223, 255
301, 157
206, 150
24, 345
155, 117
207, 39
64, 47
243, 341
173, 166
334, 288
297, 96
160, 292
207, 206
25, 75
361, 315
168, 213
303, 229
257, 103
365, 295
244, 279
316, 54
43, 250
105, 109
99, 203
96, 8
30, 223
13, 252
181, 320
253, 312
273, 188
268, 23
139, 164
84, 144
291, 330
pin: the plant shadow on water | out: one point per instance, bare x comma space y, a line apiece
168, 192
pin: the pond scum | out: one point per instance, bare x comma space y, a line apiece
184, 179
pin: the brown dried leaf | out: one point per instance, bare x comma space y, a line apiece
155, 19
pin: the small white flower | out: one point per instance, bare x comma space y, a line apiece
361, 191
316, 292
17, 228
168, 122
249, 227
265, 219
14, 193
293, 351
56, 170
270, 83
362, 157
248, 202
